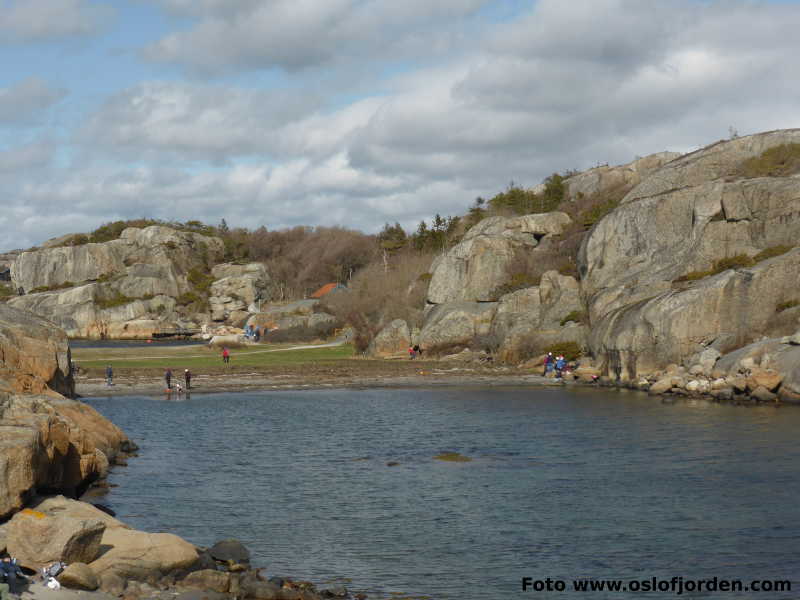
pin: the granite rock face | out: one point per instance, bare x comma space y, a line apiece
239, 288
683, 218
124, 288
474, 269
157, 252
599, 179
34, 354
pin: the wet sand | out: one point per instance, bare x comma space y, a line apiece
132, 385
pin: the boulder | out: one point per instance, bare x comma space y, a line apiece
208, 579
393, 339
662, 386
143, 556
762, 394
230, 550
766, 378
79, 576
456, 323
52, 443
519, 308
36, 539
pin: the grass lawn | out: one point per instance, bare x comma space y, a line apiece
203, 359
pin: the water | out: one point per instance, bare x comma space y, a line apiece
563, 484
156, 343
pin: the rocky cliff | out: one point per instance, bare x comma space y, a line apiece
150, 281
696, 257
654, 273
47, 442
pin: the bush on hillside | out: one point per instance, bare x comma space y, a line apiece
780, 161
380, 293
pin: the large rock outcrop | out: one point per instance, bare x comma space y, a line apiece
126, 287
47, 442
683, 218
475, 269
239, 290
34, 354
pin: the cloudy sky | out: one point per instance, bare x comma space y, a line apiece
358, 112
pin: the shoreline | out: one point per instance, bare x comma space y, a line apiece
208, 384
93, 388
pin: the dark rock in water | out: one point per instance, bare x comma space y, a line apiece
338, 591
392, 463
226, 550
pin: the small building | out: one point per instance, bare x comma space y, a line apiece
327, 289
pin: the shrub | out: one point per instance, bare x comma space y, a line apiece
732, 262
570, 350
201, 281
116, 299
576, 316
486, 343
6, 292
52, 288
299, 333
771, 252
780, 161
518, 281
786, 305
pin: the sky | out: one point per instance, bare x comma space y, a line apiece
360, 112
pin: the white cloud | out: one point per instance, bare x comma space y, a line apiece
296, 34
26, 100
37, 20
569, 85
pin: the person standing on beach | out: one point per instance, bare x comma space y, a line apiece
168, 378
226, 356
187, 377
109, 376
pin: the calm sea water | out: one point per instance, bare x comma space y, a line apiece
562, 484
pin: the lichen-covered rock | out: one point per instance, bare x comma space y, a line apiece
477, 267
393, 339
79, 576
36, 539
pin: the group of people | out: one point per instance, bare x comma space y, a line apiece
253, 333
414, 351
187, 378
558, 364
